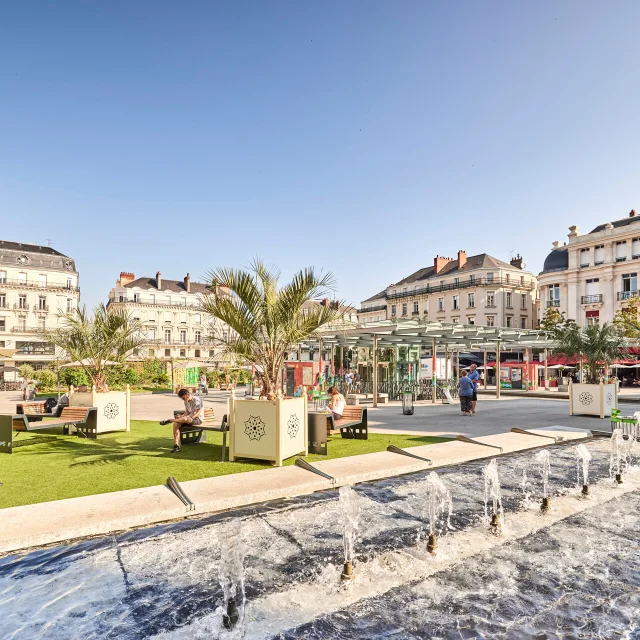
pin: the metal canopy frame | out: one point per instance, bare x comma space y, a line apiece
434, 335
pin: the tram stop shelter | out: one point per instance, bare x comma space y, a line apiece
437, 337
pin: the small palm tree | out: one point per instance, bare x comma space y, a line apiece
267, 321
597, 344
97, 341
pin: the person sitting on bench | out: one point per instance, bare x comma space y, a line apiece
64, 398
336, 403
193, 415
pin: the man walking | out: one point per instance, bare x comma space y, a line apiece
193, 415
202, 387
474, 376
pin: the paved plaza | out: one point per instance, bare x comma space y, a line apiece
493, 416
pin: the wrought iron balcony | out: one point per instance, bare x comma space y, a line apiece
553, 303
27, 329
49, 286
21, 307
625, 295
592, 299
464, 284
39, 309
378, 307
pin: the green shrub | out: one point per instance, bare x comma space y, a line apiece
47, 379
119, 377
74, 377
26, 371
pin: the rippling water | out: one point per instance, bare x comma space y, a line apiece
578, 577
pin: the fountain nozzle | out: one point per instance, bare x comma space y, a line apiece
495, 523
230, 619
585, 489
432, 545
618, 478
347, 570
545, 506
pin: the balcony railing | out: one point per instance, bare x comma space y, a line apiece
44, 309
378, 307
625, 295
592, 299
27, 330
50, 286
157, 303
180, 343
553, 303
21, 307
464, 284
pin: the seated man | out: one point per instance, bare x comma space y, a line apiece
193, 415
64, 398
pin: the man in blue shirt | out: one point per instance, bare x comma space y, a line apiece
474, 376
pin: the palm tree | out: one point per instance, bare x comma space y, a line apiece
267, 321
97, 341
597, 344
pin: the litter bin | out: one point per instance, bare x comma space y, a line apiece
317, 423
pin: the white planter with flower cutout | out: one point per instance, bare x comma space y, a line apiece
593, 399
113, 408
272, 430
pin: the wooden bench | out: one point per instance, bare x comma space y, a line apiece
353, 423
193, 434
84, 419
190, 388
34, 410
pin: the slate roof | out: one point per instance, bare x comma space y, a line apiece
30, 248
481, 261
557, 260
175, 286
624, 222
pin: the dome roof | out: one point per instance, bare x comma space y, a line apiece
557, 260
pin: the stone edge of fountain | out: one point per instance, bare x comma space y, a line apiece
66, 520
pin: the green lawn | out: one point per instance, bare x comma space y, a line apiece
47, 466
63, 389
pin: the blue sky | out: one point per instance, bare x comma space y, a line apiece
360, 137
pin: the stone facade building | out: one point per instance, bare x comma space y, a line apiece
590, 277
478, 289
169, 312
37, 284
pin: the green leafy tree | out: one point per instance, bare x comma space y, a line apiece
26, 371
95, 340
627, 319
598, 345
554, 322
47, 379
267, 321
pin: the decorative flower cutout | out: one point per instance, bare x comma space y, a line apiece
609, 399
254, 427
293, 426
111, 411
585, 398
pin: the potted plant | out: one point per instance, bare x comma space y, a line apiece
266, 322
596, 345
95, 343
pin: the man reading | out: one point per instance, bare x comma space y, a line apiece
193, 415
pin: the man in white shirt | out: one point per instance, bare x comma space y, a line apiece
193, 415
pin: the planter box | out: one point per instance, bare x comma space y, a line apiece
113, 408
593, 399
268, 430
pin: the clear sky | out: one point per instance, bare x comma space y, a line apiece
361, 137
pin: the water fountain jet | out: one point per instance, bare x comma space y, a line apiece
543, 459
350, 506
619, 455
583, 455
438, 503
493, 492
231, 575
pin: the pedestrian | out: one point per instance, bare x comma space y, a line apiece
474, 376
203, 383
465, 391
348, 380
336, 403
193, 415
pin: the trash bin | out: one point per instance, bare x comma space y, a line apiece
318, 433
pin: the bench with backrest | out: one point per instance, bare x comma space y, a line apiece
35, 411
353, 423
84, 419
193, 434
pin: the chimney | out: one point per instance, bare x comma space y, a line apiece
573, 231
125, 278
159, 280
439, 264
462, 259
516, 262
555, 244
632, 213
187, 283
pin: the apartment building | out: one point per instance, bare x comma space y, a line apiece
169, 312
590, 277
476, 289
37, 284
